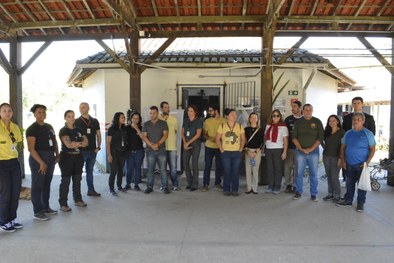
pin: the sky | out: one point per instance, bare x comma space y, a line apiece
55, 65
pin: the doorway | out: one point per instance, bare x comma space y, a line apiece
201, 97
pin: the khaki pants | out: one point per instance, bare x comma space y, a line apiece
290, 167
252, 173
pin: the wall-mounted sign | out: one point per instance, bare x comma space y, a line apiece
292, 92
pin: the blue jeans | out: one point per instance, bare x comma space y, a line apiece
89, 157
171, 159
353, 173
160, 158
133, 166
231, 161
312, 160
210, 153
41, 183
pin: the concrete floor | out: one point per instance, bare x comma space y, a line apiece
204, 227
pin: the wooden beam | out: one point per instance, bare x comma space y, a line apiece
377, 55
391, 139
123, 9
290, 52
357, 12
66, 23
5, 64
157, 53
135, 78
12, 32
34, 57
113, 55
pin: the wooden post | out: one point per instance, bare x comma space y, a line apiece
135, 72
391, 139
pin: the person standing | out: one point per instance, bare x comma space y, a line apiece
91, 127
307, 136
171, 147
290, 157
191, 133
155, 133
44, 154
254, 141
276, 143
357, 104
333, 134
357, 148
211, 126
231, 141
10, 170
136, 151
117, 151
71, 161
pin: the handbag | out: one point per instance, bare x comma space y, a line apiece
364, 183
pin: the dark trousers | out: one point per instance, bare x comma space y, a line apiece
71, 168
41, 183
353, 173
194, 153
118, 161
133, 166
210, 153
231, 161
10, 187
275, 166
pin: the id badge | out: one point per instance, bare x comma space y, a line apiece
88, 131
50, 142
13, 147
188, 133
122, 143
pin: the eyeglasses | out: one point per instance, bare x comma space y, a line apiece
275, 116
12, 137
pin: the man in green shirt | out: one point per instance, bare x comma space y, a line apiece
307, 136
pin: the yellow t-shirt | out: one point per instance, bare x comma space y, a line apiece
231, 138
9, 141
211, 126
172, 124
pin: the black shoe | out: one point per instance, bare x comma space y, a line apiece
16, 225
255, 192
113, 193
344, 203
188, 187
148, 190
289, 189
166, 191
336, 200
328, 198
50, 211
121, 189
235, 194
227, 193
137, 188
7, 228
297, 196
193, 189
127, 187
249, 192
93, 193
360, 208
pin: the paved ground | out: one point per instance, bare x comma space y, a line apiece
205, 227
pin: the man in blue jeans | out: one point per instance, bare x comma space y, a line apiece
155, 133
307, 136
91, 127
211, 126
358, 147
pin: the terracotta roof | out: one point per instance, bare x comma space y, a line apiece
76, 19
191, 58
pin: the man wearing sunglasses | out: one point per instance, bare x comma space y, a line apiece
307, 136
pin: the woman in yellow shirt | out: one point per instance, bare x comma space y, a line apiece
231, 141
10, 170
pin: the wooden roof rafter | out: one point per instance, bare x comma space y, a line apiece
48, 13
360, 7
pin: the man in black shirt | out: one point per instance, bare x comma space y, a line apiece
91, 127
357, 103
290, 157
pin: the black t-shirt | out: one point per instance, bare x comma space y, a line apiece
75, 135
257, 140
290, 121
119, 139
45, 136
89, 127
134, 140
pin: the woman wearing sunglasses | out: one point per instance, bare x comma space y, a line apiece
276, 142
10, 170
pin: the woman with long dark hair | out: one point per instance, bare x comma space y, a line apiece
276, 143
117, 151
10, 170
135, 151
71, 161
191, 133
44, 154
333, 134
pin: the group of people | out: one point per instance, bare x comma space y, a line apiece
289, 145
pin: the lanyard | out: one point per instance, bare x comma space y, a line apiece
87, 123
